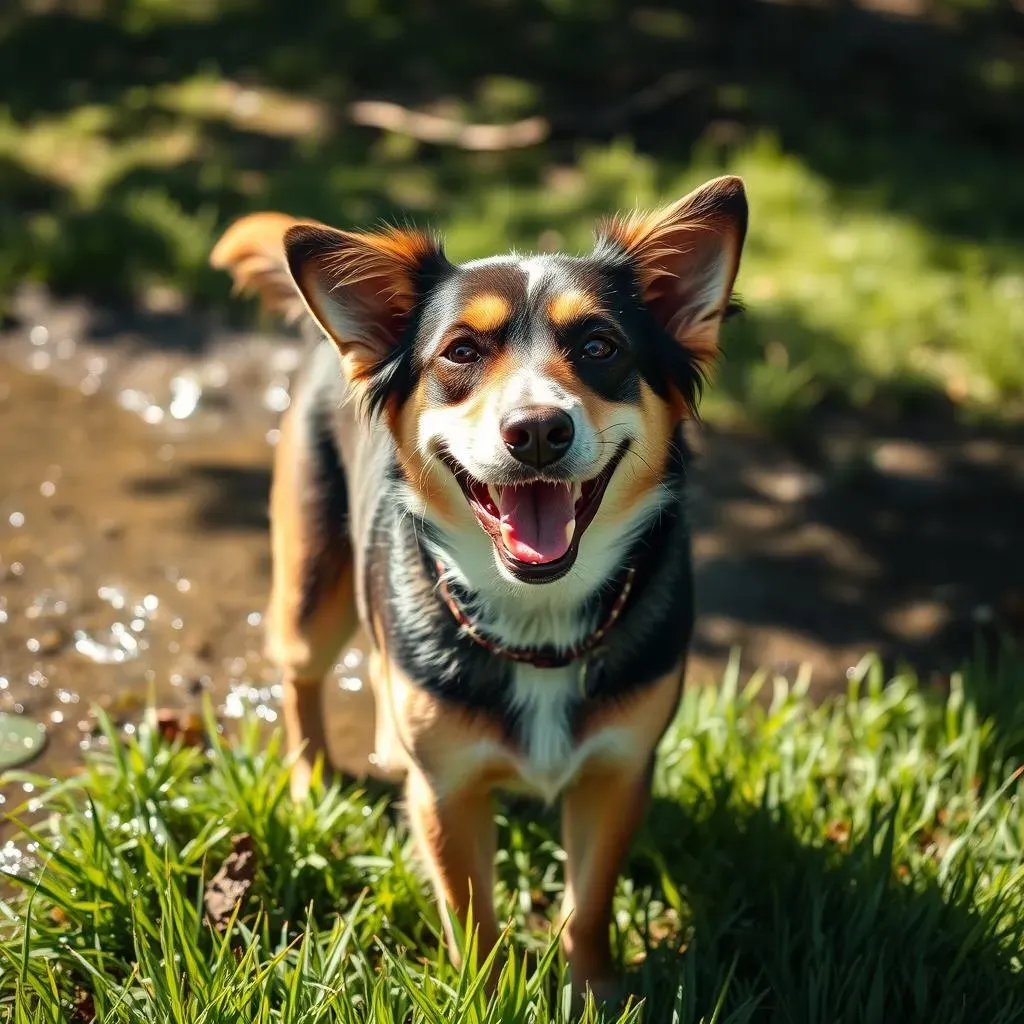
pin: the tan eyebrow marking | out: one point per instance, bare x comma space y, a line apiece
571, 306
485, 312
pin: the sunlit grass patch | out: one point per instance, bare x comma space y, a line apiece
858, 861
846, 299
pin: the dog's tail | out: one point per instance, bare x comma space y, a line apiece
252, 252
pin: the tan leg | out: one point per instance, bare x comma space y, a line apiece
600, 814
302, 710
456, 836
312, 603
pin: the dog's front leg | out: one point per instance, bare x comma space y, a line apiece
305, 737
456, 835
600, 814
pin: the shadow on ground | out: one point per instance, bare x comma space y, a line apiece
836, 82
807, 922
222, 498
899, 539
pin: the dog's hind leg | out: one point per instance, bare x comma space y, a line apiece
312, 603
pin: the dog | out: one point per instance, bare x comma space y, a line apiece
484, 466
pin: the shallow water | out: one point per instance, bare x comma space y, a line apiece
133, 544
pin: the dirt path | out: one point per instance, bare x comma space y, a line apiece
133, 544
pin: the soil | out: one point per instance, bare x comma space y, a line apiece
134, 563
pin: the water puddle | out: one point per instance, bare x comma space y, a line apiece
134, 555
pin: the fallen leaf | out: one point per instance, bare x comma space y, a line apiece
83, 1009
184, 725
227, 889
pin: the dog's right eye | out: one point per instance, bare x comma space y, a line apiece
462, 352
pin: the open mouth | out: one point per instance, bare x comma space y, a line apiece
536, 525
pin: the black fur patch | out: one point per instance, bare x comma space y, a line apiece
394, 378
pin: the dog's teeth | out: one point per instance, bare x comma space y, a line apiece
570, 529
577, 492
495, 495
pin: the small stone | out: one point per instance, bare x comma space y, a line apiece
21, 739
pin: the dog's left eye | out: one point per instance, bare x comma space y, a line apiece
462, 352
598, 347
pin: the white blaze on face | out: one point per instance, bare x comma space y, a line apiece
536, 269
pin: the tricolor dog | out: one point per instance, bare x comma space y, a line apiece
484, 466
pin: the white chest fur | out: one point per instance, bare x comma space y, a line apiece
544, 759
550, 757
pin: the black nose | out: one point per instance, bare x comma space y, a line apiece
537, 435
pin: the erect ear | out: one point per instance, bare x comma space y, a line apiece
685, 257
361, 286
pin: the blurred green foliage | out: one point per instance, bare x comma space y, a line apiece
881, 143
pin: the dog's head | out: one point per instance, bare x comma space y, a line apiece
531, 397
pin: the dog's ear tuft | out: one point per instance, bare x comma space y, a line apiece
361, 286
685, 257
252, 252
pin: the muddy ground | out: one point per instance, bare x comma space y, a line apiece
134, 474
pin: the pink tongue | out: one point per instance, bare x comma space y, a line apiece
535, 521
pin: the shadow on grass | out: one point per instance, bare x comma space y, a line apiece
810, 928
994, 684
831, 80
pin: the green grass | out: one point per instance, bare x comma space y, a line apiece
885, 263
859, 861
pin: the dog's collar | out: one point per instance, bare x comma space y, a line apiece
539, 657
